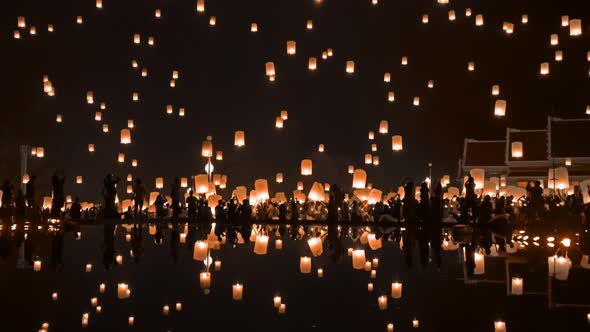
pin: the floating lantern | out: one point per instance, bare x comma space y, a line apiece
558, 55
376, 160
384, 127
282, 308
396, 143
554, 39
158, 13
479, 264
270, 68
309, 24
99, 4
125, 136
306, 167
37, 266
517, 285
404, 61
261, 187
123, 291
239, 139
499, 326
253, 27
544, 68
391, 96
425, 18
558, 178
416, 101
79, 20
495, 90
237, 292
368, 159
121, 157
382, 301
39, 151
135, 96
350, 67
358, 259
373, 147
285, 115
390, 327
479, 20
500, 107
467, 12
452, 15
21, 22
279, 178
58, 118
291, 47
330, 52
321, 148
350, 169
305, 265
279, 122
517, 151
430, 84
207, 149
471, 66
78, 179
324, 55
315, 245
524, 19
575, 27
312, 63
98, 116
387, 77
396, 290
200, 250
300, 186
568, 162
200, 6
178, 306
159, 183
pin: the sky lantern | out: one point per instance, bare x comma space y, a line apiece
478, 175
79, 20
373, 147
121, 158
391, 96
509, 28
312, 63
404, 61
330, 52
321, 148
16, 34
261, 187
90, 147
200, 6
33, 30
554, 39
135, 96
159, 183
517, 151
371, 135
237, 291
359, 179
452, 15
172, 83
105, 128
207, 149
324, 55
368, 159
279, 178
587, 110
544, 70
558, 55
425, 18
495, 90
499, 326
575, 27
175, 74
151, 41
169, 109
309, 24
279, 122
270, 68
181, 112
396, 143
125, 136
558, 178
479, 264
134, 162
98, 116
416, 101
350, 67
468, 12
291, 47
285, 115
471, 66
306, 167
201, 183
376, 160
524, 19
430, 84
316, 193
99, 4
158, 13
219, 155
253, 27
479, 20
304, 265
500, 107
383, 127
79, 179
387, 77
21, 22
212, 21
565, 21
350, 169
134, 64
90, 97
58, 118
137, 39
49, 27
239, 138
358, 259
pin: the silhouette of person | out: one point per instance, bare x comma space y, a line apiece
139, 192
191, 202
30, 192
76, 209
57, 183
110, 193
175, 196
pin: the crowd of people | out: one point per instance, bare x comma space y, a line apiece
430, 206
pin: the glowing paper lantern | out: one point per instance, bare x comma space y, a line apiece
285, 115
358, 259
239, 139
500, 107
479, 264
554, 39
237, 292
261, 244
291, 47
309, 24
387, 77
202, 183
559, 267
279, 178
558, 178
58, 118
279, 122
416, 101
575, 27
517, 151
99, 4
312, 63
200, 6
315, 245
396, 290
396, 143
123, 291
125, 136
391, 96
306, 167
425, 18
200, 250
524, 19
404, 61
382, 301
305, 265
517, 285
159, 183
270, 68
321, 148
350, 67
558, 55
499, 326
471, 66
316, 193
495, 90
207, 149
479, 20
261, 187
253, 27
350, 169
205, 280
158, 13
478, 175
452, 15
78, 179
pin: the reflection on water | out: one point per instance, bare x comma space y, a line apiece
178, 277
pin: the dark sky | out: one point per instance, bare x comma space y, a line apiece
223, 85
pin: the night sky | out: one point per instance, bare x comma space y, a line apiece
223, 87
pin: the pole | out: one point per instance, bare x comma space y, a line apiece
430, 176
24, 158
